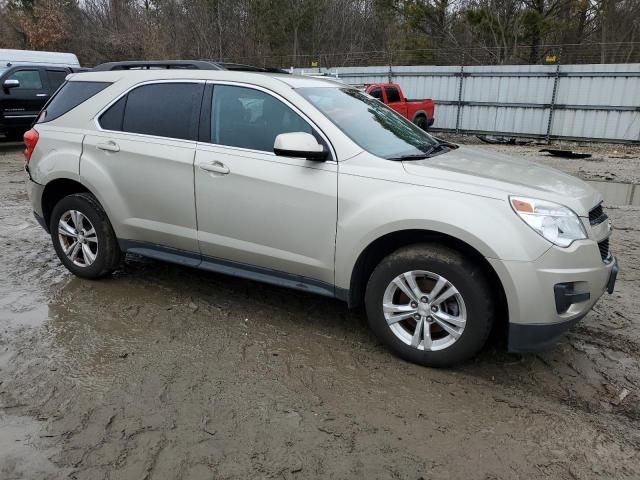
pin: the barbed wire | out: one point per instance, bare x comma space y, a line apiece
610, 52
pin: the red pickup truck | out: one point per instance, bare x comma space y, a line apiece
419, 112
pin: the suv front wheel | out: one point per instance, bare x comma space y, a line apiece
83, 236
430, 305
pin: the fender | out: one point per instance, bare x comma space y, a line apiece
57, 154
488, 225
57, 157
417, 114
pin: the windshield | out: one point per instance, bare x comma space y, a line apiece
2, 70
368, 122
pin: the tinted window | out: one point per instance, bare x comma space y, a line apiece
56, 78
369, 123
163, 110
248, 118
29, 79
376, 93
392, 94
112, 118
70, 95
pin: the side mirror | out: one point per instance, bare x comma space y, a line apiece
299, 144
8, 84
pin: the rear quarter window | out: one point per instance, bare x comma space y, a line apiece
68, 97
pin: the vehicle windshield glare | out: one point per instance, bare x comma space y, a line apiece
371, 124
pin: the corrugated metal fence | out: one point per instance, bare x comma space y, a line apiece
594, 102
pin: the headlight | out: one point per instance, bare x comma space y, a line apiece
557, 223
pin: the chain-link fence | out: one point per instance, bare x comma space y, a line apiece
591, 53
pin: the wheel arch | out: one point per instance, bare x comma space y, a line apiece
390, 242
56, 190
419, 113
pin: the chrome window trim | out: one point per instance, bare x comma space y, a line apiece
99, 128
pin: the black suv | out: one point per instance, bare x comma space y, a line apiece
24, 91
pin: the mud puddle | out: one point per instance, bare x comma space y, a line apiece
166, 372
617, 193
16, 445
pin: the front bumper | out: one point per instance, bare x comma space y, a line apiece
539, 311
535, 337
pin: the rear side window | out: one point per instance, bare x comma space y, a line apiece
56, 78
162, 109
70, 95
392, 94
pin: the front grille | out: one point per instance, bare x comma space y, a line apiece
604, 249
597, 215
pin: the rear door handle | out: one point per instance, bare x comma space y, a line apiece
215, 167
42, 95
109, 146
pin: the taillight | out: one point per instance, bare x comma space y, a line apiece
30, 140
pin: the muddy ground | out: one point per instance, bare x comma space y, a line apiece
163, 372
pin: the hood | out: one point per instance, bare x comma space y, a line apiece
475, 170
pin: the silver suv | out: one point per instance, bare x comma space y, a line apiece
311, 184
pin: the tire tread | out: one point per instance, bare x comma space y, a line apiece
109, 244
482, 299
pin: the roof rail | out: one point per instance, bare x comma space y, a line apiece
157, 64
184, 65
241, 67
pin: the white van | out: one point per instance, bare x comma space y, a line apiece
9, 58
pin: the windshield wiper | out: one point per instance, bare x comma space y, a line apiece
421, 156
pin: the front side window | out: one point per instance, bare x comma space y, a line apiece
372, 125
159, 109
29, 79
248, 118
376, 93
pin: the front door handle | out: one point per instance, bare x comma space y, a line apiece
215, 167
109, 146
42, 95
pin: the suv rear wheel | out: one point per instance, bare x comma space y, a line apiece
430, 305
83, 237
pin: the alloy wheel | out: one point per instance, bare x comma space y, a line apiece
424, 310
78, 238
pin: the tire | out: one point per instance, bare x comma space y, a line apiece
470, 300
102, 244
421, 121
